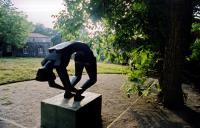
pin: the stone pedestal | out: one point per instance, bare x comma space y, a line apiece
57, 112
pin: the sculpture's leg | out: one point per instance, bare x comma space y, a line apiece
78, 73
64, 77
91, 69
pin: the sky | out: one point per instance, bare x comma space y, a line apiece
39, 11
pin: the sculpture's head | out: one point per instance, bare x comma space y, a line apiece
44, 74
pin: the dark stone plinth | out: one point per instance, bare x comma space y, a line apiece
57, 112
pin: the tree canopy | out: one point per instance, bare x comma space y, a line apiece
13, 25
40, 28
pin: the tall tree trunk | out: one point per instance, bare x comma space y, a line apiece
179, 36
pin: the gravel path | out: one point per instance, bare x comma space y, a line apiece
20, 102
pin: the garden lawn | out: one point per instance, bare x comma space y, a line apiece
21, 69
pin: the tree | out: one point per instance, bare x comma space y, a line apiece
180, 16
70, 22
56, 39
127, 18
40, 28
14, 26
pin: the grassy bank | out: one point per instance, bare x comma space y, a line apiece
21, 69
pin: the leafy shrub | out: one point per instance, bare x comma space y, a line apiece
195, 56
141, 61
195, 50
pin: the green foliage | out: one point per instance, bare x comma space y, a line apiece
144, 88
56, 39
141, 62
74, 23
196, 27
14, 28
196, 50
141, 59
70, 22
103, 45
196, 45
134, 23
127, 18
123, 22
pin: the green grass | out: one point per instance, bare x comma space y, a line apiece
22, 69
18, 69
104, 68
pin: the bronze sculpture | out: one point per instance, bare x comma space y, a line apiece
59, 57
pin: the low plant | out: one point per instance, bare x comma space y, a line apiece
140, 64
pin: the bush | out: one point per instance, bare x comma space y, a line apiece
195, 50
141, 61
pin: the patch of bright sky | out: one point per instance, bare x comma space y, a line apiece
40, 11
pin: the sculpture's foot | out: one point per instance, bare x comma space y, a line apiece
79, 91
78, 97
68, 95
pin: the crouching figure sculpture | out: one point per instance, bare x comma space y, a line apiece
59, 58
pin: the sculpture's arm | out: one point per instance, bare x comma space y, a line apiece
53, 84
78, 72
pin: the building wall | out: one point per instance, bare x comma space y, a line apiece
38, 39
37, 46
34, 49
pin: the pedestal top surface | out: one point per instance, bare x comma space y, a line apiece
60, 101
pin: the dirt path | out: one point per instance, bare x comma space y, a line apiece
20, 102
